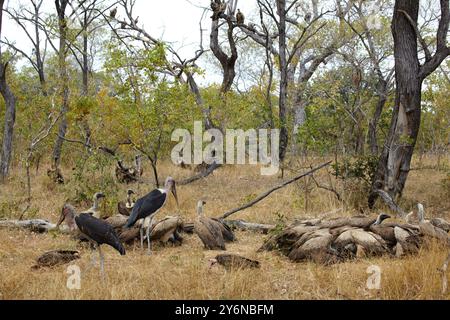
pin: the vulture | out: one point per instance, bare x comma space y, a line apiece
330, 241
117, 221
208, 230
55, 174
97, 231
240, 17
146, 208
125, 208
94, 210
168, 230
440, 223
129, 174
233, 261
112, 13
429, 229
55, 258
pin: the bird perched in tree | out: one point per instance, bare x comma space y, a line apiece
97, 231
233, 261
136, 20
146, 208
112, 13
55, 257
308, 17
123, 25
240, 17
252, 27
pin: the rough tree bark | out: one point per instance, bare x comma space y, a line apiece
282, 102
10, 112
64, 79
227, 62
395, 160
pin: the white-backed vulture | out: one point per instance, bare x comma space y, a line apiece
55, 258
168, 230
95, 209
208, 230
126, 207
233, 261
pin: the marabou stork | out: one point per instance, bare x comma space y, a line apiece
97, 231
146, 208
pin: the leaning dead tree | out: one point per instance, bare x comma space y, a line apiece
61, 6
268, 192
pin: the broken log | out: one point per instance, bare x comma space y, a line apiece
35, 225
249, 226
210, 168
268, 192
391, 203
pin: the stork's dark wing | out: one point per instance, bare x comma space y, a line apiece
99, 230
146, 205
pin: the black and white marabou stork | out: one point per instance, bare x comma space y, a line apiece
146, 208
97, 231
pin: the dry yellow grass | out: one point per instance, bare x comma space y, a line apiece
182, 272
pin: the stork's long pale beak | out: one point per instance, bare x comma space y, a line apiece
61, 218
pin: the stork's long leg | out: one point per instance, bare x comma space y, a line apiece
102, 271
141, 232
92, 245
148, 235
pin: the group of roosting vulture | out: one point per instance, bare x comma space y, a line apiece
322, 241
340, 239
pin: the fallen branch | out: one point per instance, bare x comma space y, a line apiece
268, 192
249, 226
331, 189
36, 225
201, 175
390, 202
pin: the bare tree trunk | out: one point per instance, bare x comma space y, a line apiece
373, 125
60, 8
10, 118
281, 8
10, 113
395, 160
227, 62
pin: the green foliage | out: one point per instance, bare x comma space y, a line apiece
362, 168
